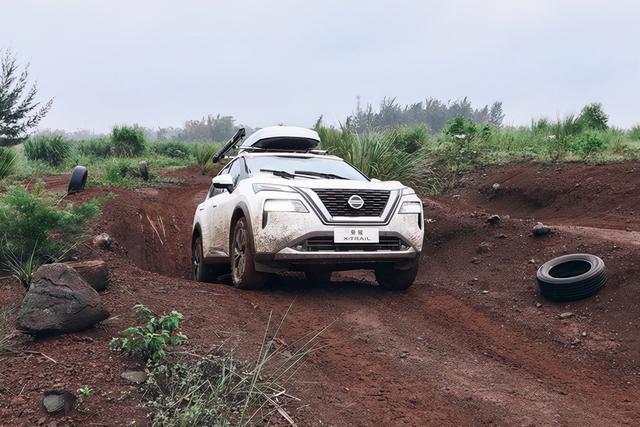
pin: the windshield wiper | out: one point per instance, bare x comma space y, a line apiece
282, 174
320, 174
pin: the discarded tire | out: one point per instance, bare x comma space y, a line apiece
144, 170
78, 180
571, 277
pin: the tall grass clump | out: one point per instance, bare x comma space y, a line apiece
204, 154
34, 227
7, 162
176, 150
127, 141
52, 150
634, 133
118, 172
97, 147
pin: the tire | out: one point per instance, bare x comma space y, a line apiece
571, 277
243, 267
394, 279
202, 272
318, 277
78, 180
144, 170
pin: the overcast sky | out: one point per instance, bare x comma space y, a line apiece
159, 63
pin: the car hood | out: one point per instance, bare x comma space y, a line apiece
330, 183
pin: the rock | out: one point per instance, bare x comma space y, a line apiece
493, 219
58, 401
575, 342
137, 377
566, 315
485, 292
483, 248
532, 261
584, 333
95, 273
538, 305
495, 186
103, 241
59, 301
404, 354
540, 229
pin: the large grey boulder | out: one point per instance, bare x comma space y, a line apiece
59, 301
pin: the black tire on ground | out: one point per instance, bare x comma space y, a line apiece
144, 170
397, 280
78, 180
243, 267
571, 277
317, 276
202, 272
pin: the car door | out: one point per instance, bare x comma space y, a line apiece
218, 214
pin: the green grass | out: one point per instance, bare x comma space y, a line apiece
8, 158
52, 150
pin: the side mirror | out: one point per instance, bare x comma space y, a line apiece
223, 181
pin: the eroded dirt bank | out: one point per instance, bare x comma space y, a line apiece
466, 345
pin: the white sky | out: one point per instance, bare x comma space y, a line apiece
159, 63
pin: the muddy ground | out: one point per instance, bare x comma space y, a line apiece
471, 343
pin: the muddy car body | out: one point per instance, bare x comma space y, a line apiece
280, 206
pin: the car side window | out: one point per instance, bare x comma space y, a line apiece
235, 171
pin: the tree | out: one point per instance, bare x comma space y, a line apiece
496, 115
19, 111
594, 117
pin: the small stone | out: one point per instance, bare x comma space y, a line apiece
137, 377
483, 248
540, 229
575, 342
103, 241
475, 260
493, 219
584, 333
404, 354
538, 305
532, 261
485, 292
59, 401
495, 186
501, 236
566, 315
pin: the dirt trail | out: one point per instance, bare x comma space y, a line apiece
466, 345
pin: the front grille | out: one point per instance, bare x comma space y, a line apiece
336, 201
326, 243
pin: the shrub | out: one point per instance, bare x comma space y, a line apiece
460, 128
34, 228
98, 147
118, 171
634, 133
7, 162
587, 143
593, 116
178, 150
127, 141
151, 336
204, 153
52, 150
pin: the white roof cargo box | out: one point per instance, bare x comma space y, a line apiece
286, 138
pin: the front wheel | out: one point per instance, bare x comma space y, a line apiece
394, 279
243, 267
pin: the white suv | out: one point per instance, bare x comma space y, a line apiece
281, 206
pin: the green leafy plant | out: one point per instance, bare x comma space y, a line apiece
634, 133
127, 141
151, 336
7, 162
85, 392
117, 171
52, 150
587, 143
34, 227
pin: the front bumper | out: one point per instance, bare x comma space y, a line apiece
290, 240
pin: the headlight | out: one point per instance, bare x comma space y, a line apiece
406, 191
272, 187
411, 208
284, 205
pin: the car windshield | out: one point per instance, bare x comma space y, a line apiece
304, 167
